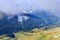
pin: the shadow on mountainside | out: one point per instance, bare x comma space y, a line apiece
12, 25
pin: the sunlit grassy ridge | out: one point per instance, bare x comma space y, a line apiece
36, 34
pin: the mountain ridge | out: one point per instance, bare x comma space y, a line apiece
36, 19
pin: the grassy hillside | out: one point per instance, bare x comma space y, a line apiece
35, 34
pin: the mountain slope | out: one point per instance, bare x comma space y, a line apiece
36, 19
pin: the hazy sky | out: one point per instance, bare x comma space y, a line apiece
16, 6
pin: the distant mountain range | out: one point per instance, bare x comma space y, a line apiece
27, 21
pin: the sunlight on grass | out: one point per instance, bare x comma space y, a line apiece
36, 34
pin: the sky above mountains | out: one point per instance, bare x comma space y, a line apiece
16, 6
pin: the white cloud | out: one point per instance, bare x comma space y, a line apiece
16, 6
22, 18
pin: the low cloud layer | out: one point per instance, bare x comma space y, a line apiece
17, 6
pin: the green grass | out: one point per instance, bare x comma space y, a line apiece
36, 34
